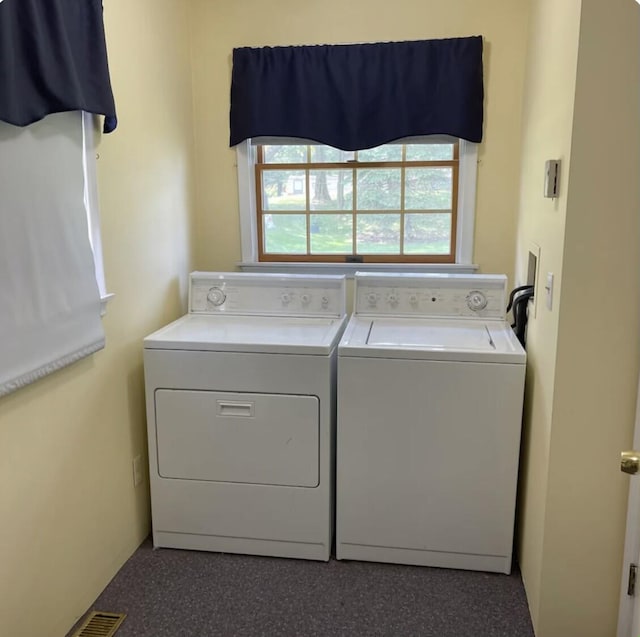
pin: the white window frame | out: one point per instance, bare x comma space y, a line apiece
468, 169
91, 205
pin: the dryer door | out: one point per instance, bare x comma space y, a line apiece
270, 439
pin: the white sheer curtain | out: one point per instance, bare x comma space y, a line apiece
49, 299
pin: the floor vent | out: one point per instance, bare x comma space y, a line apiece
100, 624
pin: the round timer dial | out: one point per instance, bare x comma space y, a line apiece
216, 296
476, 301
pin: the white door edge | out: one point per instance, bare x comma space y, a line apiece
629, 611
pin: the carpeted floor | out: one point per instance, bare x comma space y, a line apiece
171, 593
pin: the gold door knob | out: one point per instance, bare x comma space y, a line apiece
630, 462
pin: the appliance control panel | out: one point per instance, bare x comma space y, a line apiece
267, 294
431, 295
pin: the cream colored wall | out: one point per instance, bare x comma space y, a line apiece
598, 337
69, 513
583, 355
218, 27
547, 121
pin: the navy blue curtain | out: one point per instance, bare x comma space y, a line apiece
53, 58
359, 95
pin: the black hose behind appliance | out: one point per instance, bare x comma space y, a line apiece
519, 305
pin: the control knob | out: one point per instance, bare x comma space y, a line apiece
372, 299
216, 296
285, 298
476, 301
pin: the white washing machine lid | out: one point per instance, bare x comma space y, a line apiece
260, 334
470, 340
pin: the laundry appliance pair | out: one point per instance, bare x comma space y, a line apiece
254, 394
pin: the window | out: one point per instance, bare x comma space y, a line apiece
405, 202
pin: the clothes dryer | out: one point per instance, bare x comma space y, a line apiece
240, 396
430, 391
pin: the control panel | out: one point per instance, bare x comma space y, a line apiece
267, 294
446, 295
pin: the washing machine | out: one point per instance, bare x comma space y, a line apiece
240, 397
430, 391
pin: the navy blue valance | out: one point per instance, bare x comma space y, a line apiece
359, 96
53, 58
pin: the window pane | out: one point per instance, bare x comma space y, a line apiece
331, 234
378, 189
378, 234
428, 188
427, 233
284, 190
331, 189
388, 152
284, 154
324, 154
429, 152
285, 234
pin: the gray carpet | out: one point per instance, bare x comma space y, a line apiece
171, 593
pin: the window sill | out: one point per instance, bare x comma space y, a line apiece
104, 299
350, 268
